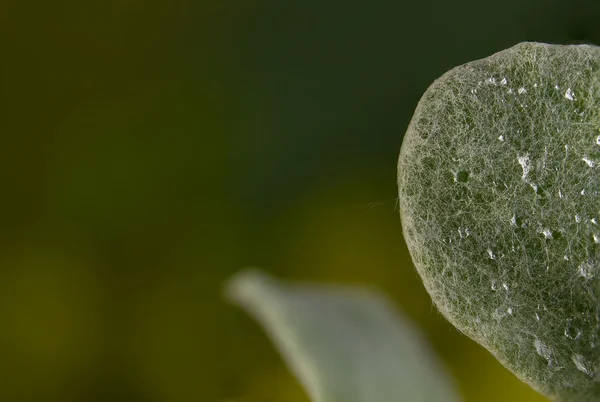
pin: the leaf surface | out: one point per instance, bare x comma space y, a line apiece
499, 198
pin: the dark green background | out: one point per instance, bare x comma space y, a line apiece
149, 150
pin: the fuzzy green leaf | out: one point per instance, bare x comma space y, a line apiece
498, 190
343, 344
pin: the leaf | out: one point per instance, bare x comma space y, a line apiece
498, 190
343, 344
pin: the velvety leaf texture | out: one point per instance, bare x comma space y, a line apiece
498, 191
343, 344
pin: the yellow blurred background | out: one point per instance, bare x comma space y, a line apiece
149, 150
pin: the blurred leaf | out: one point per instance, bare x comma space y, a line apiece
343, 344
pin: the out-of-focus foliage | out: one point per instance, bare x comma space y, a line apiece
149, 149
343, 343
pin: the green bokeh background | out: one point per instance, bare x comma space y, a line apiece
149, 150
